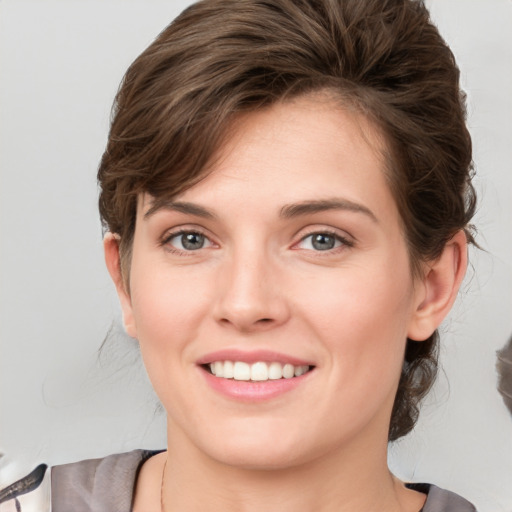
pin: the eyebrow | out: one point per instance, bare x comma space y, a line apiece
182, 207
322, 205
287, 211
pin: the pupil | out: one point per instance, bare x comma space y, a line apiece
323, 242
192, 241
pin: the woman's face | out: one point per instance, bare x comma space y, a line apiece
289, 256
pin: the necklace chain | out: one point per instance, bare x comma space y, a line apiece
162, 506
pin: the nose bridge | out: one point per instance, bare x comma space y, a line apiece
249, 295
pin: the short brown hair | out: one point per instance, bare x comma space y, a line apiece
223, 57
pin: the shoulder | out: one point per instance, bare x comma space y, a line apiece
103, 484
441, 500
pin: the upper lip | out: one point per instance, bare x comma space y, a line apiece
252, 356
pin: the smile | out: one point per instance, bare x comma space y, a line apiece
256, 372
254, 376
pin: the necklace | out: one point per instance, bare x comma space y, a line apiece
162, 506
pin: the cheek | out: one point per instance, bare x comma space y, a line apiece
166, 299
169, 308
362, 317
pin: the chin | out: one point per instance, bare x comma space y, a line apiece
257, 447
257, 459
262, 449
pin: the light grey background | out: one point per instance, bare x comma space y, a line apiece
61, 62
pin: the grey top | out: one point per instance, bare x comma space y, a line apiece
97, 485
107, 485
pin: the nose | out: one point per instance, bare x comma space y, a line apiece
251, 297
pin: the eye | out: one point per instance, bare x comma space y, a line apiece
322, 241
188, 241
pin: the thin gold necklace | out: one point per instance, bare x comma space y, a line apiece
162, 506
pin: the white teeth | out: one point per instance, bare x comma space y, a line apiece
219, 369
229, 370
259, 371
275, 371
288, 371
241, 371
299, 370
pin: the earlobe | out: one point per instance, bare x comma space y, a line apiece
113, 262
439, 288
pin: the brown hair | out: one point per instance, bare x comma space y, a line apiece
223, 57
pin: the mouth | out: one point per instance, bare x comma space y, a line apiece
259, 371
254, 376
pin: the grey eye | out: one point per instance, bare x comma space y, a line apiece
319, 242
189, 241
323, 241
192, 241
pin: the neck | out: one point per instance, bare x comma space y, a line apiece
348, 480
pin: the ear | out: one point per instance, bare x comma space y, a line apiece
113, 261
438, 289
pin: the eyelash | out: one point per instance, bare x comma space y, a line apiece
344, 242
165, 241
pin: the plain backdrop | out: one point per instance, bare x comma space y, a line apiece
62, 400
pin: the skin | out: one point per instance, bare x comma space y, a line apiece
260, 283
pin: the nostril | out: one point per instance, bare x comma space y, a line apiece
248, 325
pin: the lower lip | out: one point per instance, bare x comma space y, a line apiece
251, 391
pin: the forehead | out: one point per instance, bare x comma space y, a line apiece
309, 148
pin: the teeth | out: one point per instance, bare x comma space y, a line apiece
288, 371
229, 370
258, 372
219, 368
241, 371
275, 371
298, 371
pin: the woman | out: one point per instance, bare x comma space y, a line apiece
286, 194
